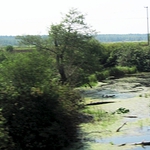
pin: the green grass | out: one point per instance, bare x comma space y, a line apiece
24, 48
96, 113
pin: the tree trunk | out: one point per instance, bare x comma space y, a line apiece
62, 74
61, 69
60, 65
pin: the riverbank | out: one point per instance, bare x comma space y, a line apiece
130, 93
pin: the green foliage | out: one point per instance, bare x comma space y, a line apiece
98, 114
127, 70
42, 119
128, 54
121, 71
102, 75
31, 40
121, 111
2, 56
9, 48
39, 113
116, 72
73, 46
92, 79
28, 69
5, 139
77, 54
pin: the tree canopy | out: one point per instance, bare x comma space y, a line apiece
72, 45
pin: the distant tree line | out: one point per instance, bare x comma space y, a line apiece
11, 40
8, 40
121, 37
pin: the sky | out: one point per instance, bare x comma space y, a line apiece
22, 17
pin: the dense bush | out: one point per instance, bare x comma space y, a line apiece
9, 48
128, 54
121, 71
5, 140
116, 72
2, 56
39, 113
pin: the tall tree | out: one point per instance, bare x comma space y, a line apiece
70, 43
71, 39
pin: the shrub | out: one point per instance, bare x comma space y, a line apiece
117, 71
42, 119
5, 139
9, 48
92, 79
39, 113
102, 75
128, 70
2, 56
127, 54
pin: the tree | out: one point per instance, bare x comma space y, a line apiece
9, 48
70, 43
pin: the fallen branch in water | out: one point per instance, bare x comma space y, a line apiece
120, 127
100, 103
130, 116
144, 143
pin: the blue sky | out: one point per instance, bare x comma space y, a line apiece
19, 17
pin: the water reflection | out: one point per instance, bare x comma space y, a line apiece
141, 148
144, 135
106, 94
127, 139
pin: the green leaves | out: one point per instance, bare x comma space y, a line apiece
27, 69
37, 112
73, 48
9, 48
121, 111
71, 44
